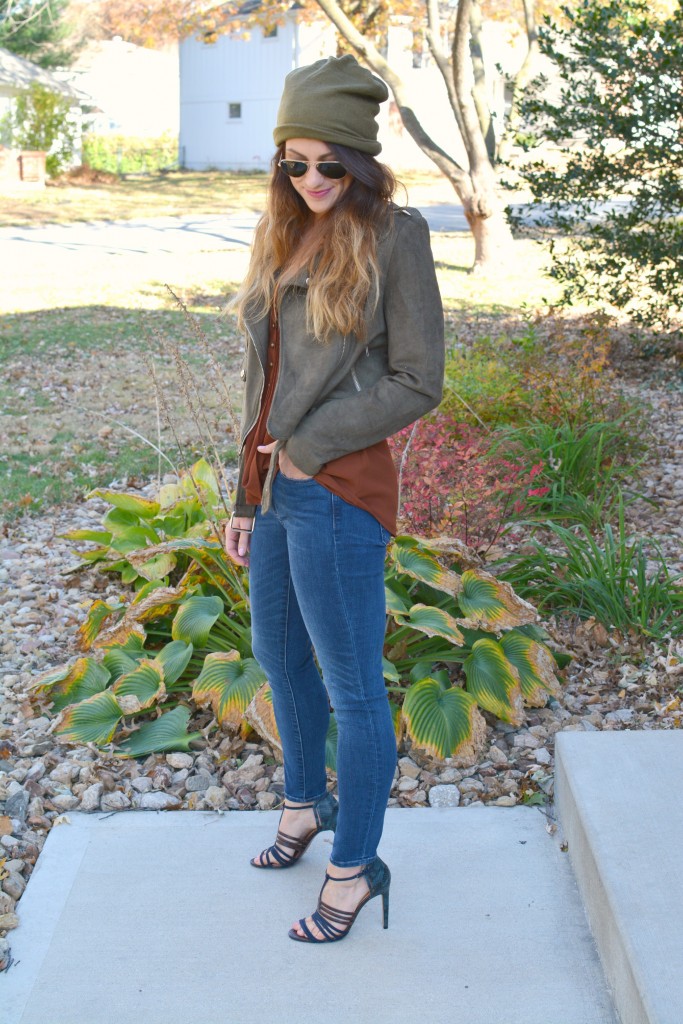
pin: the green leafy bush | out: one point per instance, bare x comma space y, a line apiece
183, 639
612, 199
42, 120
122, 154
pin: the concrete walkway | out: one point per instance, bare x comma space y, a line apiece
157, 918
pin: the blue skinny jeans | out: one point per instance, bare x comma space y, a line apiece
316, 580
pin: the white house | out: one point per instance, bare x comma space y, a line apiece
230, 88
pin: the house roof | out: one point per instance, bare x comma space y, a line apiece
19, 73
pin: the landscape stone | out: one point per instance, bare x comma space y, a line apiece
157, 801
178, 759
90, 797
115, 801
444, 796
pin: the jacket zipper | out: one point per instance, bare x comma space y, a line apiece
355, 379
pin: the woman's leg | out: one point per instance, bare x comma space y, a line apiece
336, 558
282, 647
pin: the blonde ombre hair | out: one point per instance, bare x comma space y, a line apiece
340, 249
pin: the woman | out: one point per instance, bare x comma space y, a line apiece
344, 331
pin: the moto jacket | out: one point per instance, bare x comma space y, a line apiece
344, 395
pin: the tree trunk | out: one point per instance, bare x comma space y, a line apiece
476, 187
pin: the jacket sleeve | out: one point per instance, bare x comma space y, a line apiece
415, 352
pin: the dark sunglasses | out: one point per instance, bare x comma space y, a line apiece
297, 168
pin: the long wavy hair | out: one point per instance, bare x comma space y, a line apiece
340, 250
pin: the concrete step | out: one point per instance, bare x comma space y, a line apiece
620, 808
159, 918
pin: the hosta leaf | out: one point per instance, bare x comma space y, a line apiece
396, 603
119, 661
443, 722
167, 732
331, 745
174, 659
146, 589
451, 547
389, 671
98, 614
142, 507
96, 536
434, 622
121, 634
494, 682
95, 554
71, 684
535, 665
94, 720
490, 603
141, 687
228, 683
135, 539
194, 619
156, 603
168, 495
203, 476
397, 719
119, 522
156, 567
160, 602
260, 715
133, 644
419, 563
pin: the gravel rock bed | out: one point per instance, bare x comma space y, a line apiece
607, 686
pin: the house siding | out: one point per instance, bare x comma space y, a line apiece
245, 71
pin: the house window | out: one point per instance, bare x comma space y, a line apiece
234, 111
270, 33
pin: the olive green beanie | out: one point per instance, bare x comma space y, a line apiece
334, 100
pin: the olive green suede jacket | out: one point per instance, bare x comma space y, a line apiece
339, 397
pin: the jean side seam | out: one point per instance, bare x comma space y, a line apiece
302, 759
373, 809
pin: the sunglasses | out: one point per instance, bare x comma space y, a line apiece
297, 168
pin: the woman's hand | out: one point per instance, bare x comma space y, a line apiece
237, 539
287, 467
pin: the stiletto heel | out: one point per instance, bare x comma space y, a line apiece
334, 924
287, 850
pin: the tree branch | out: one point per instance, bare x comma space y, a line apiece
479, 91
446, 164
521, 80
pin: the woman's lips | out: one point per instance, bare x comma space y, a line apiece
319, 194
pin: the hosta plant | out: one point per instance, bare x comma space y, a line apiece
457, 643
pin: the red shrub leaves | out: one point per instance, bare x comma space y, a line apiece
450, 483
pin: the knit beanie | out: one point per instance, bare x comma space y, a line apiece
334, 100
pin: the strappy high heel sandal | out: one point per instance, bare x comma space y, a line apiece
335, 924
287, 850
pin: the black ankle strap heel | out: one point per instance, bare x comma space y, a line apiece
287, 850
334, 924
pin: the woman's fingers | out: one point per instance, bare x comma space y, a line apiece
237, 538
289, 469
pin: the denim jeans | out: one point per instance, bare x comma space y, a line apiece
316, 580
